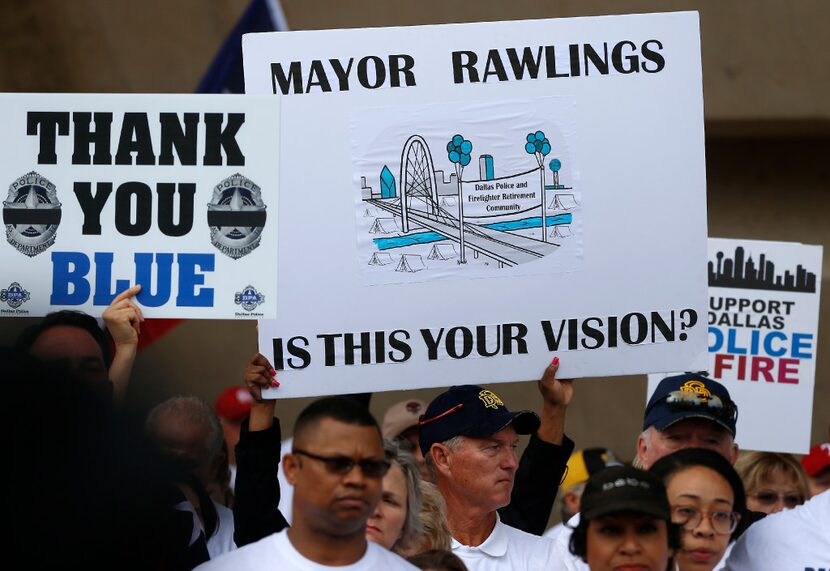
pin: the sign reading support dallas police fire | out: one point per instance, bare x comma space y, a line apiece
466, 200
177, 193
763, 337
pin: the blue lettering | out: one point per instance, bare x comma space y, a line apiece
755, 339
63, 276
768, 344
189, 279
718, 334
730, 343
103, 279
802, 341
144, 276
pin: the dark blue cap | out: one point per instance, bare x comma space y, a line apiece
690, 395
470, 410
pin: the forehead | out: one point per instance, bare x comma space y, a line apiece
696, 426
699, 482
66, 342
329, 437
505, 435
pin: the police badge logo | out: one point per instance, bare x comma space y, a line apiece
249, 298
31, 213
236, 216
14, 295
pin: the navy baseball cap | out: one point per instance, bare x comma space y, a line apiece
470, 410
690, 395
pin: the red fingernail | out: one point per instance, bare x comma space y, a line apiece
275, 384
555, 360
273, 373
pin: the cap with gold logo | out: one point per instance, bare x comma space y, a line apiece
691, 395
470, 410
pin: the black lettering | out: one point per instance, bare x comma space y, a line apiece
328, 347
653, 56
100, 137
143, 211
526, 63
92, 205
401, 65
632, 60
466, 340
600, 63
494, 66
363, 72
165, 192
342, 74
432, 342
47, 125
612, 331
552, 339
481, 341
365, 348
400, 346
659, 324
184, 139
550, 63
217, 139
322, 81
642, 328
515, 333
592, 332
380, 347
293, 79
573, 49
299, 352
135, 138
461, 61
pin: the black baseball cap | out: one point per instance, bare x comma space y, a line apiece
470, 410
624, 489
690, 395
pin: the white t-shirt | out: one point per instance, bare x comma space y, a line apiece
506, 548
566, 561
276, 552
554, 531
796, 539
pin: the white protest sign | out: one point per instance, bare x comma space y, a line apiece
763, 337
460, 202
177, 193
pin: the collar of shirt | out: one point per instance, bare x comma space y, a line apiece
495, 545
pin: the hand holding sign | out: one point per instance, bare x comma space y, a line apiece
259, 374
123, 319
557, 395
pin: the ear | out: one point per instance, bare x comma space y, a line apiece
735, 451
571, 501
442, 458
642, 448
291, 468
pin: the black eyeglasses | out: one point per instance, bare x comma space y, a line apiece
342, 465
769, 498
684, 400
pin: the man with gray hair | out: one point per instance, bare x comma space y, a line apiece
187, 431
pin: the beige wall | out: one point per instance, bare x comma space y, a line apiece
767, 96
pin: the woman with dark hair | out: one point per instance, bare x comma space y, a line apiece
708, 503
625, 523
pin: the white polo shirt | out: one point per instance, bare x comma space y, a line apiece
506, 548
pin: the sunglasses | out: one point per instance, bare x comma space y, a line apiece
342, 465
685, 400
770, 498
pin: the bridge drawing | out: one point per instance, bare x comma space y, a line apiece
426, 208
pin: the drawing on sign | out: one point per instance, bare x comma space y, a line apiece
747, 274
493, 217
31, 213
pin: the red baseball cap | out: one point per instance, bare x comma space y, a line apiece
234, 403
817, 460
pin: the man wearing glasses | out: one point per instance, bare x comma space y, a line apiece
685, 411
336, 467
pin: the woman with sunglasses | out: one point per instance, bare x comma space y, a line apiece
708, 503
773, 481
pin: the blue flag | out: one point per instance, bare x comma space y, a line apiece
225, 72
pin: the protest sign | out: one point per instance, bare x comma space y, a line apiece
464, 201
763, 337
177, 193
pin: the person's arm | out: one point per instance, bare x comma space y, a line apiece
123, 320
544, 460
257, 493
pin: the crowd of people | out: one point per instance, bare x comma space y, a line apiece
435, 485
